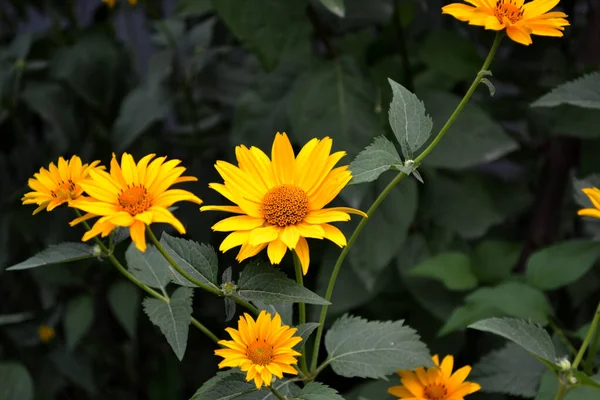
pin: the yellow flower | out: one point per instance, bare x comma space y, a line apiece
46, 333
110, 3
520, 20
58, 185
594, 195
262, 349
281, 199
134, 196
435, 383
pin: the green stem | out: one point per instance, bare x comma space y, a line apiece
336, 269
562, 390
562, 337
277, 394
301, 310
589, 361
190, 278
205, 330
588, 338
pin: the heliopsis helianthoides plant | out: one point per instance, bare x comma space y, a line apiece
520, 19
262, 349
435, 383
58, 184
282, 200
133, 195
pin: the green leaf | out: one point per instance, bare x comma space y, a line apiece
60, 253
149, 267
465, 315
378, 157
335, 6
263, 282
79, 317
549, 386
173, 318
528, 335
581, 92
493, 260
285, 310
225, 385
198, 260
318, 391
510, 370
304, 331
474, 137
272, 35
124, 301
15, 382
585, 380
374, 349
558, 265
370, 255
453, 269
334, 97
409, 121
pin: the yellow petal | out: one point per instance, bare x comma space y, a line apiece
234, 239
519, 35
276, 250
137, 231
447, 365
324, 216
538, 7
334, 234
237, 223
289, 235
231, 209
163, 215
168, 198
303, 254
283, 160
263, 235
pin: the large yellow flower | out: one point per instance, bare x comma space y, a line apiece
134, 196
519, 19
282, 199
435, 383
262, 349
58, 185
594, 196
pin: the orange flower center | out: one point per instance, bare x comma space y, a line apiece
260, 353
134, 200
285, 205
436, 392
65, 191
506, 8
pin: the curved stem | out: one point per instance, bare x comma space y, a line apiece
277, 394
336, 269
562, 390
589, 361
190, 278
205, 330
588, 338
301, 310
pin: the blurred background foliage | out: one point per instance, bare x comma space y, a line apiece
492, 232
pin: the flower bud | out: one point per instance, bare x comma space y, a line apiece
563, 363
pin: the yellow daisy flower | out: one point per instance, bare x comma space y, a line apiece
519, 19
262, 349
436, 383
282, 199
46, 333
57, 185
134, 196
594, 196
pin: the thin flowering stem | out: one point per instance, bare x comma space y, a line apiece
562, 390
589, 361
336, 269
588, 338
193, 280
144, 287
277, 394
301, 311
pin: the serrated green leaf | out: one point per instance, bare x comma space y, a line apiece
264, 283
318, 391
453, 269
474, 137
225, 385
375, 159
581, 92
272, 35
335, 6
197, 259
510, 370
561, 264
54, 254
79, 317
150, 267
304, 331
285, 310
373, 349
286, 387
528, 335
409, 120
124, 301
173, 318
494, 260
15, 382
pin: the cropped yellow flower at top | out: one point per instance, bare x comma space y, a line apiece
282, 199
435, 383
57, 185
520, 19
134, 196
261, 348
594, 196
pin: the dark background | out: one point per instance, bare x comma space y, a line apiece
191, 79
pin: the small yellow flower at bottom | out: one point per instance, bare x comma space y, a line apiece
46, 333
261, 348
435, 383
594, 196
